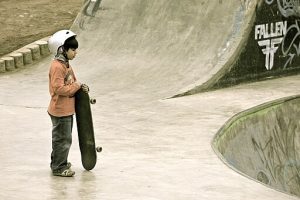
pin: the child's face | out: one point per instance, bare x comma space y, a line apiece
71, 53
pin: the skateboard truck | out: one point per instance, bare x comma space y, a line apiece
98, 149
93, 101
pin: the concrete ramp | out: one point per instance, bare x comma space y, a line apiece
167, 46
263, 143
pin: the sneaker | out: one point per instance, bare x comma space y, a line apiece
65, 173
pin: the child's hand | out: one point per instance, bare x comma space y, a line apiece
78, 83
85, 88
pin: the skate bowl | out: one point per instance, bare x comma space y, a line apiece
171, 46
133, 54
262, 143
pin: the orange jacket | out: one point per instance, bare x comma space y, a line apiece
62, 87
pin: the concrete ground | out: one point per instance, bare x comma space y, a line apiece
153, 147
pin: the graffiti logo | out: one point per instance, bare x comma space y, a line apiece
270, 36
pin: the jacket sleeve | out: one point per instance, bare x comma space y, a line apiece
58, 83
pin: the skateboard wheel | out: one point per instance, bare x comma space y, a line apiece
92, 101
98, 149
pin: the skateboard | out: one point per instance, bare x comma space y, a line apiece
85, 129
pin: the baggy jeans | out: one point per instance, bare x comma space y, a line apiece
61, 142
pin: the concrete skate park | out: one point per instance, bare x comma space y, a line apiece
195, 100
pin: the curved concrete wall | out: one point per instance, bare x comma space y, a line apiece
263, 143
181, 40
172, 45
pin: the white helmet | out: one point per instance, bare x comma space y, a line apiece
58, 39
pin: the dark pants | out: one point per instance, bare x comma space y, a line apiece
61, 142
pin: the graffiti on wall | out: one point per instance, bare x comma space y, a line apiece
287, 8
270, 36
279, 158
291, 47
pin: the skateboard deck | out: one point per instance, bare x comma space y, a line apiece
85, 130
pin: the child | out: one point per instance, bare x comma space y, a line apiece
62, 87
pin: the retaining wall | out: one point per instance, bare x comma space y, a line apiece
24, 56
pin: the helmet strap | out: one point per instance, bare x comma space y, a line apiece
62, 56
